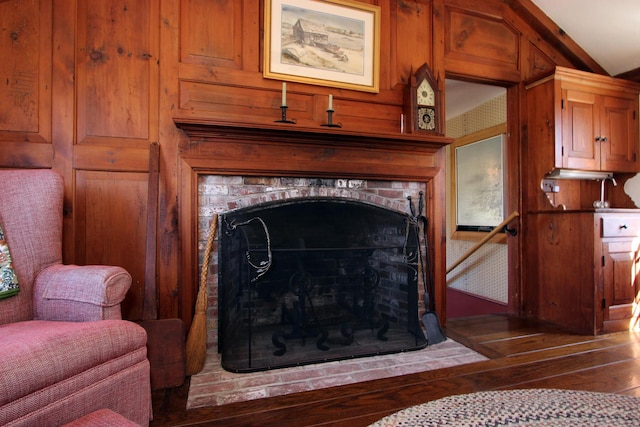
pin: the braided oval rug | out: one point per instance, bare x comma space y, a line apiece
535, 407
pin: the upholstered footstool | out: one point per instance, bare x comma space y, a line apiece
102, 418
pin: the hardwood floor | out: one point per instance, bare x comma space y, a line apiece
524, 354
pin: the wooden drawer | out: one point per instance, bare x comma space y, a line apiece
623, 246
621, 226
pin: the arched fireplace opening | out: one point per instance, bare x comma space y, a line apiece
316, 279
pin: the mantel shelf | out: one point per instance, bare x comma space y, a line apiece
198, 128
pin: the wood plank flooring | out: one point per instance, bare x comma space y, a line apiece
524, 353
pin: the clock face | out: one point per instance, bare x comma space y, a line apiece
425, 94
426, 118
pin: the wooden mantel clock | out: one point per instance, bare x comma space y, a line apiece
423, 104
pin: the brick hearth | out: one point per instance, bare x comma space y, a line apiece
214, 386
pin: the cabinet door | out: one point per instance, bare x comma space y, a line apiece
579, 127
619, 130
620, 284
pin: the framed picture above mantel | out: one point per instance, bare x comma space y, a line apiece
333, 43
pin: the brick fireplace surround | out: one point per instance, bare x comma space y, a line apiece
219, 193
284, 161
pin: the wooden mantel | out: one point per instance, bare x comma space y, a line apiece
399, 149
201, 127
287, 150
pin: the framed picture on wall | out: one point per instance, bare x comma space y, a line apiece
329, 43
479, 184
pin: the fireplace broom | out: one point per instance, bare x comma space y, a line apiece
196, 351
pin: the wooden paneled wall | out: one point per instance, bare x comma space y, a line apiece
88, 85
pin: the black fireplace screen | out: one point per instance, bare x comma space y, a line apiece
312, 280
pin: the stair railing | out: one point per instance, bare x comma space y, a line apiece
486, 238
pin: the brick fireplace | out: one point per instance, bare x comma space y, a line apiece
225, 167
311, 269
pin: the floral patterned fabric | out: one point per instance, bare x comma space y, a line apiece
9, 283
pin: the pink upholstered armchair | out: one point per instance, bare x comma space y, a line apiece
64, 350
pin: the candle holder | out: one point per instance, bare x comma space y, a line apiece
283, 117
330, 120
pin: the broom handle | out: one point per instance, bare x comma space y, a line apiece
483, 241
207, 252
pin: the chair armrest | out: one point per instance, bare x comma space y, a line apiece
80, 293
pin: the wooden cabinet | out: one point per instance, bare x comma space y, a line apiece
619, 263
582, 269
599, 132
584, 121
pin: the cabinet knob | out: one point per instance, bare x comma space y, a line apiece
601, 138
623, 227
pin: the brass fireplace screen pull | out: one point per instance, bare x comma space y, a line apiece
499, 228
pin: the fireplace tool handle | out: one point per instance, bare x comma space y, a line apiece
427, 279
430, 319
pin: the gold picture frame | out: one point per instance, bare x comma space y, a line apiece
332, 43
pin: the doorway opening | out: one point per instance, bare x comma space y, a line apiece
475, 113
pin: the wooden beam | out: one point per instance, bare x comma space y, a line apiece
554, 35
632, 75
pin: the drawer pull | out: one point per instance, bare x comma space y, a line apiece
623, 227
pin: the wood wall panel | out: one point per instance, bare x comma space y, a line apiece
215, 32
110, 223
117, 75
21, 154
538, 63
63, 115
169, 285
232, 103
25, 73
482, 41
358, 115
107, 158
571, 235
117, 72
228, 103
412, 38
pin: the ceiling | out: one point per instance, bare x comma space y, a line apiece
608, 31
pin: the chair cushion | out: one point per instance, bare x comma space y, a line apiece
8, 279
37, 354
